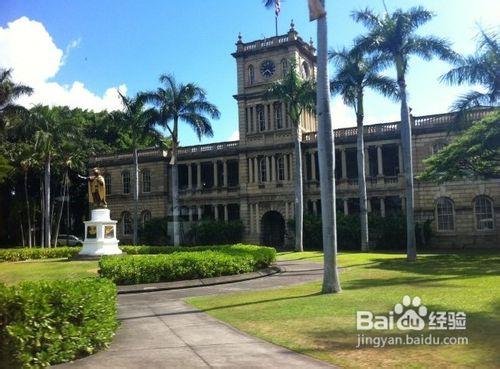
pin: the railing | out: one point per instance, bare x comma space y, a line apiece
426, 121
272, 41
390, 179
219, 146
145, 153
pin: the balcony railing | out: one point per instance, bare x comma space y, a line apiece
215, 147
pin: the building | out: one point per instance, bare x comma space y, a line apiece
252, 179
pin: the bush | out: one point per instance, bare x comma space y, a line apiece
179, 265
210, 232
154, 232
49, 322
20, 254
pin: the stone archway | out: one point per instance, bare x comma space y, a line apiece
273, 229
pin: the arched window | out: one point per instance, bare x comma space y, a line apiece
251, 75
445, 214
145, 217
126, 182
261, 120
107, 181
305, 70
284, 67
281, 168
126, 223
483, 211
263, 169
146, 180
278, 115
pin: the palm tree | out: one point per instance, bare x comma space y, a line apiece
177, 102
393, 36
482, 68
9, 92
354, 73
141, 123
299, 95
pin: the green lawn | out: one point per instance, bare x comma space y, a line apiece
11, 273
323, 326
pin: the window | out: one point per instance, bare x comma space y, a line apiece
146, 180
261, 118
263, 169
284, 67
278, 121
126, 182
445, 214
145, 217
107, 181
126, 223
281, 168
437, 147
305, 70
251, 75
483, 211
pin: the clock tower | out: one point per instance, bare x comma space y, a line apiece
259, 63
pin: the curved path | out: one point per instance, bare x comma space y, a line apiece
159, 330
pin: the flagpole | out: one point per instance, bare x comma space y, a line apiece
276, 24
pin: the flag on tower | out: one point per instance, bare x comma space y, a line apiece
277, 7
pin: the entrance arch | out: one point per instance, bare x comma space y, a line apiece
273, 229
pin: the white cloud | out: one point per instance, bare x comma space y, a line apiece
235, 136
27, 48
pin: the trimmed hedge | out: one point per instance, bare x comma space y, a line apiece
49, 322
20, 254
187, 264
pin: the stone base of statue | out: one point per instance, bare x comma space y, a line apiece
100, 235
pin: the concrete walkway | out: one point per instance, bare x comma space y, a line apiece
159, 330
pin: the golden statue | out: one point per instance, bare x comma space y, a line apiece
97, 189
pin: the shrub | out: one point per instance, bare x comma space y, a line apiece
209, 232
191, 264
154, 232
20, 254
50, 322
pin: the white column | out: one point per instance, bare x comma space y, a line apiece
344, 163
190, 177
382, 207
226, 217
216, 212
198, 174
268, 169
315, 207
256, 175
274, 177
216, 179
286, 210
346, 207
224, 164
313, 167
251, 219
199, 212
369, 205
250, 170
379, 161
190, 210
285, 164
257, 222
272, 123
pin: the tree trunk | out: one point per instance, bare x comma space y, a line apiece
363, 202
59, 217
26, 198
136, 194
46, 203
326, 156
42, 213
299, 194
175, 186
22, 231
411, 253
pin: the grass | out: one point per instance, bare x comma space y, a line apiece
15, 272
323, 326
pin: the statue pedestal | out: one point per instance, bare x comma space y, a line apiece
100, 235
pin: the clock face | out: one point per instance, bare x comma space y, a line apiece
267, 68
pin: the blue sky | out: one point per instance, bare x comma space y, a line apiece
94, 46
